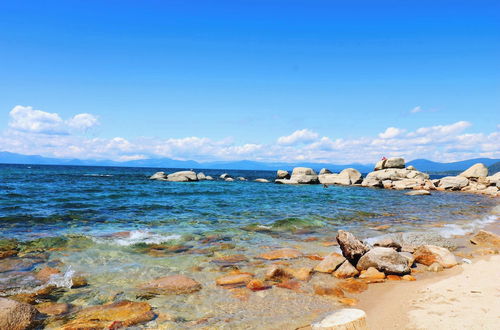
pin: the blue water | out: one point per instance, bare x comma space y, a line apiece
55, 200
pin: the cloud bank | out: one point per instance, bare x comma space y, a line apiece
33, 131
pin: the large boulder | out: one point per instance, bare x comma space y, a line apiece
330, 263
261, 180
371, 182
324, 171
182, 176
453, 182
429, 254
486, 238
394, 162
333, 178
384, 259
494, 179
301, 175
394, 174
16, 315
351, 247
353, 174
282, 174
158, 176
201, 176
475, 171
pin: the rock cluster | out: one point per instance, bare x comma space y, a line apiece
475, 180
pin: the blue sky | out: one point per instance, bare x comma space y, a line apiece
210, 80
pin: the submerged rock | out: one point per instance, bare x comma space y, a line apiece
234, 279
486, 238
261, 180
173, 284
351, 247
328, 289
50, 308
386, 260
45, 273
15, 315
419, 192
120, 314
429, 254
286, 253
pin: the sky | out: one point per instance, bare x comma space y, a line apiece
267, 80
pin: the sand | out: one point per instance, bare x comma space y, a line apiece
464, 297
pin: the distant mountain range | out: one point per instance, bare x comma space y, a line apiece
421, 164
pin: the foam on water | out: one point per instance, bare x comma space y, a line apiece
141, 236
452, 229
63, 280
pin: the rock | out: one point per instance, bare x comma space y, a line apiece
394, 162
346, 270
371, 182
353, 286
353, 175
386, 260
286, 253
409, 257
372, 274
435, 267
330, 263
389, 243
240, 178
261, 180
229, 179
333, 178
301, 274
234, 279
324, 171
475, 171
303, 175
45, 273
351, 247
429, 254
281, 174
453, 182
395, 174
78, 281
379, 165
15, 315
289, 284
387, 184
393, 278
209, 178
328, 289
411, 168
173, 284
121, 314
408, 184
182, 176
492, 191
494, 180
418, 193
257, 285
486, 238
50, 308
224, 176
276, 273
408, 278
230, 260
201, 176
158, 176
17, 264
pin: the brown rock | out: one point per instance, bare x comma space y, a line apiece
346, 270
15, 315
275, 273
324, 289
8, 253
351, 247
435, 267
348, 302
235, 279
408, 278
429, 254
257, 285
289, 284
78, 282
51, 308
301, 274
353, 286
330, 263
112, 316
45, 273
393, 278
173, 284
371, 273
486, 238
389, 243
286, 253
231, 260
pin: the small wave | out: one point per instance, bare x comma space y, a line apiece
452, 229
64, 280
98, 175
142, 236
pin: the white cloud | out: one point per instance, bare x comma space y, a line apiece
297, 137
37, 132
27, 119
391, 132
416, 109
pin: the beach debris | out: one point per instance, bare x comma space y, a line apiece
330, 263
486, 238
429, 254
351, 247
16, 315
384, 259
120, 314
285, 253
372, 273
435, 267
343, 319
419, 192
346, 270
52, 308
173, 284
234, 279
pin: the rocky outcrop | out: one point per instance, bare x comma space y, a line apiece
347, 177
201, 176
324, 171
181, 176
121, 314
384, 259
453, 182
301, 175
224, 176
174, 284
351, 247
394, 162
16, 315
397, 178
486, 238
158, 176
429, 254
475, 171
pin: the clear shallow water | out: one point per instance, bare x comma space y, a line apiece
77, 214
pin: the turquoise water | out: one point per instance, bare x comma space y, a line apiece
119, 230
